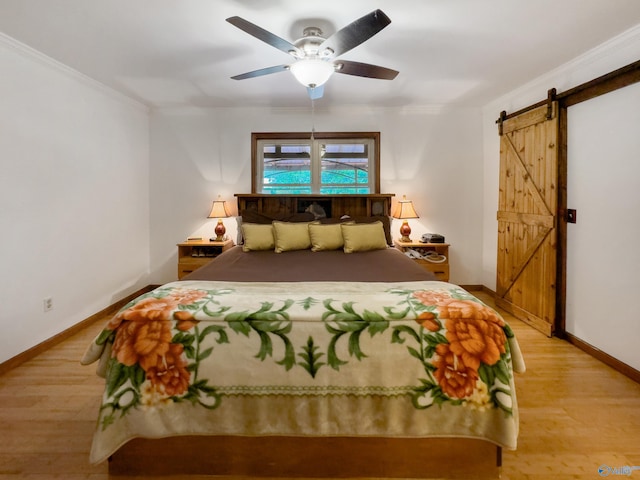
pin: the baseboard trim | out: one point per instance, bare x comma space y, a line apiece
488, 291
36, 350
604, 357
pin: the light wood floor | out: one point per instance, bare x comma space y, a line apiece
576, 414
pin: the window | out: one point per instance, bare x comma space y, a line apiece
330, 163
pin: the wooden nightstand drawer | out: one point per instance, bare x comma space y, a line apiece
187, 265
418, 250
440, 270
196, 253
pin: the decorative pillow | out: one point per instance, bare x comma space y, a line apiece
325, 237
252, 216
386, 223
362, 237
257, 237
291, 236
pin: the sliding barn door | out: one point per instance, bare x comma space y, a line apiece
526, 270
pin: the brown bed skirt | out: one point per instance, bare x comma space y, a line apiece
319, 457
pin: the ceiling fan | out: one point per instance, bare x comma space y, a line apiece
315, 56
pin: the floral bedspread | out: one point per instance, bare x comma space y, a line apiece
413, 359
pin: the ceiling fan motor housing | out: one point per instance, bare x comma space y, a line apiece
310, 43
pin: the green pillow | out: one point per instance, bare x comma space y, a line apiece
362, 237
291, 236
325, 237
257, 237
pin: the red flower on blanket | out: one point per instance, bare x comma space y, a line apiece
185, 320
146, 309
428, 321
153, 308
169, 374
432, 297
456, 379
150, 309
186, 296
479, 338
144, 335
142, 342
475, 335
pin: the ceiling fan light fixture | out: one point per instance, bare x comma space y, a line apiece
312, 72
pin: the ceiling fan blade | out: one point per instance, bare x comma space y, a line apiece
316, 92
355, 33
264, 35
365, 70
261, 72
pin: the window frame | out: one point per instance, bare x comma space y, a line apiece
257, 174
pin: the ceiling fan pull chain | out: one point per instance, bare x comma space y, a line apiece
313, 119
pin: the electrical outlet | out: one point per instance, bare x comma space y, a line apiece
48, 304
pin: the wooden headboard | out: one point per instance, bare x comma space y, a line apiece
335, 206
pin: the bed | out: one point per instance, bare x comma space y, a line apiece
343, 364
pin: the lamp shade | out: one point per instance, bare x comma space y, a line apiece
312, 72
404, 209
219, 209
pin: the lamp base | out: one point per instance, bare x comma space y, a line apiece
405, 231
220, 231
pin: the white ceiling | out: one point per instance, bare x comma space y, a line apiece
182, 52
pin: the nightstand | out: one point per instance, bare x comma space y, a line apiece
440, 270
193, 254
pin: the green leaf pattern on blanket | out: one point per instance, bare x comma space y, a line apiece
311, 357
157, 345
265, 322
345, 321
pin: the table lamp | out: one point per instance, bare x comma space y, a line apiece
219, 210
404, 210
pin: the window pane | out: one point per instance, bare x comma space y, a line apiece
287, 165
344, 165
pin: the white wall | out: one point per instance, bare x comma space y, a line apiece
603, 258
431, 155
616, 53
74, 197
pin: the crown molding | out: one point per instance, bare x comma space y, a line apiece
39, 57
341, 109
